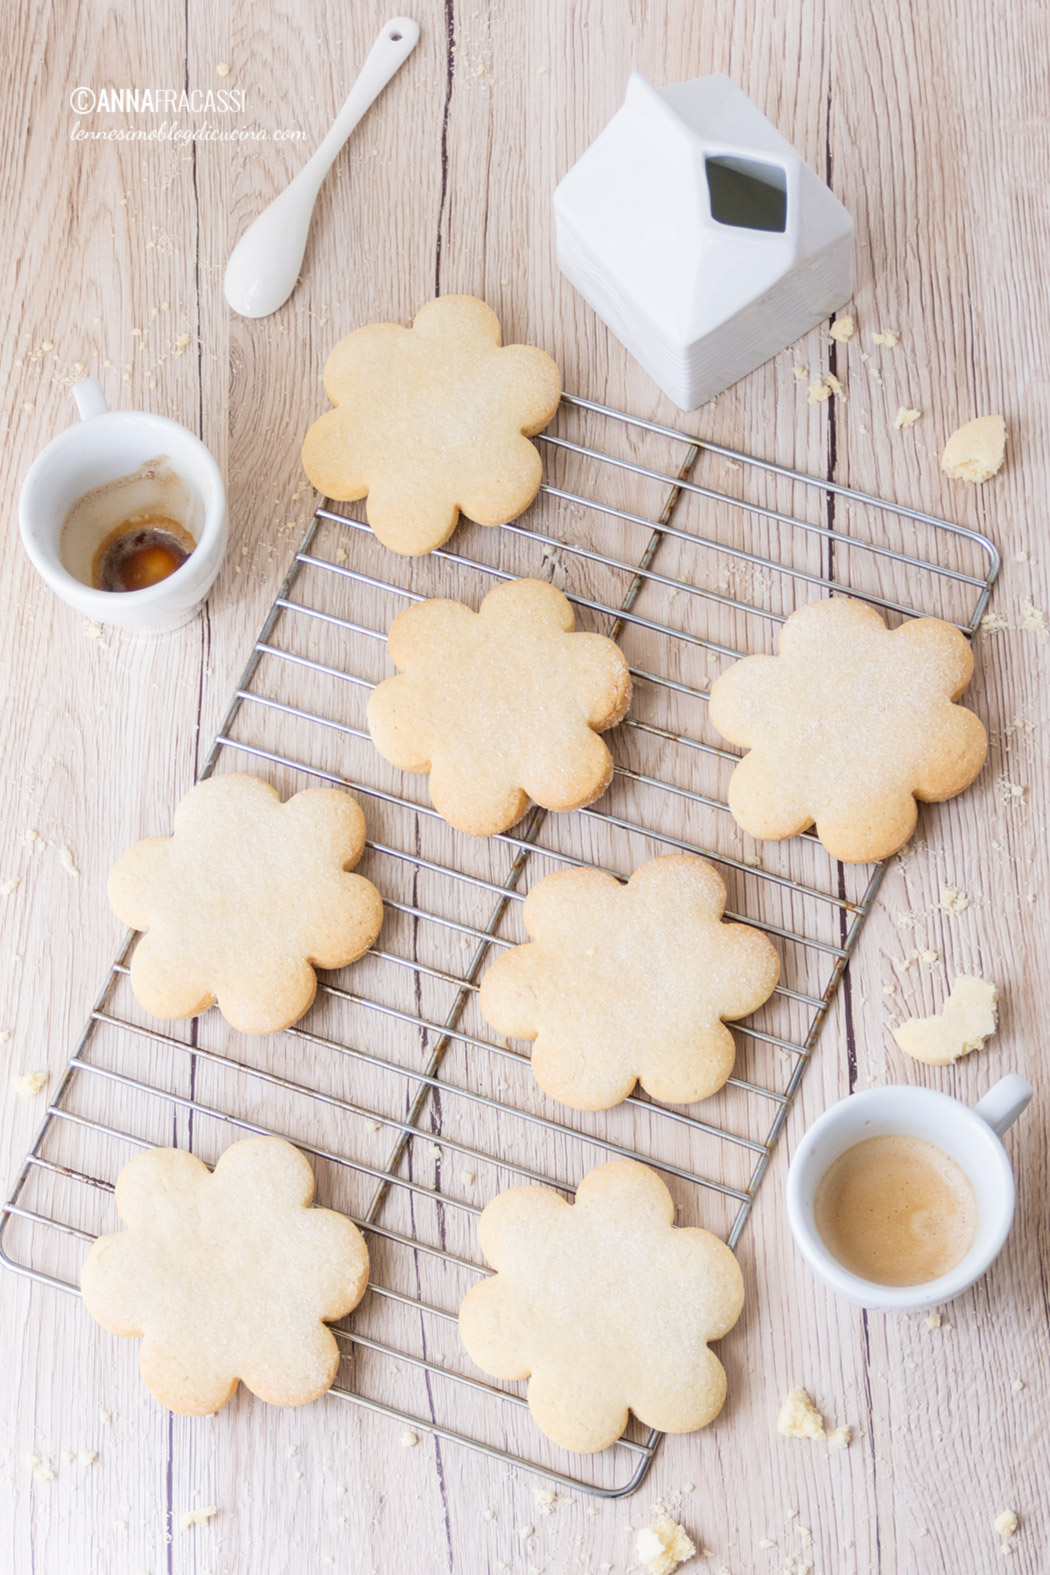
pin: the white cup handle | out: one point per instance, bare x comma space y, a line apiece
1003, 1103
91, 401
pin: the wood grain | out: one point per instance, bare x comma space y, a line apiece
932, 126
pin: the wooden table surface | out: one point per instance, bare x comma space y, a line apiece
934, 131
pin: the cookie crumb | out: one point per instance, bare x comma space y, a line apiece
905, 418
43, 1473
87, 1457
198, 1517
934, 1321
839, 1437
954, 899
488, 1514
546, 1500
1033, 620
65, 858
766, 1542
104, 1416
409, 1440
1017, 1384
799, 1417
467, 1177
68, 1456
222, 69
801, 373
1005, 1523
28, 1084
93, 630
888, 337
842, 329
822, 388
1012, 792
994, 623
9, 886
664, 1545
374, 1126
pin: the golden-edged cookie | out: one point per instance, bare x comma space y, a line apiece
630, 983
500, 706
226, 1275
847, 726
431, 421
604, 1305
245, 900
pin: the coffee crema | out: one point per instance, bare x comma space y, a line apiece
896, 1210
139, 552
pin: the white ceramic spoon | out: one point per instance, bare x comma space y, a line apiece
264, 265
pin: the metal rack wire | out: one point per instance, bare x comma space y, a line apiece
393, 1079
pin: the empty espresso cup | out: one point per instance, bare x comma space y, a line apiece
971, 1137
115, 467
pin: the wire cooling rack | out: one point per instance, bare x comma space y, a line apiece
413, 1113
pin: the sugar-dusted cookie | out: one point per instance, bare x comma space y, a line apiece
630, 983
245, 899
433, 420
225, 1275
604, 1305
500, 705
848, 726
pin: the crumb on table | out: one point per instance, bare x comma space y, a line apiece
663, 1546
799, 1417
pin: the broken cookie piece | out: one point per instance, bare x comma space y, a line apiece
966, 1020
799, 1417
976, 450
663, 1546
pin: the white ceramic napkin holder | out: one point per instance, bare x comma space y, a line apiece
698, 234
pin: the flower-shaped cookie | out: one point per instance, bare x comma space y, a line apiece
245, 900
848, 726
431, 420
226, 1275
630, 983
501, 705
604, 1305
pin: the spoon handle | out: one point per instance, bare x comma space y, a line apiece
391, 49
263, 267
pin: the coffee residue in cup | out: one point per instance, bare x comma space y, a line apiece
896, 1210
132, 531
139, 552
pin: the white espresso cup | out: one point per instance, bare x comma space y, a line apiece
88, 465
969, 1136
